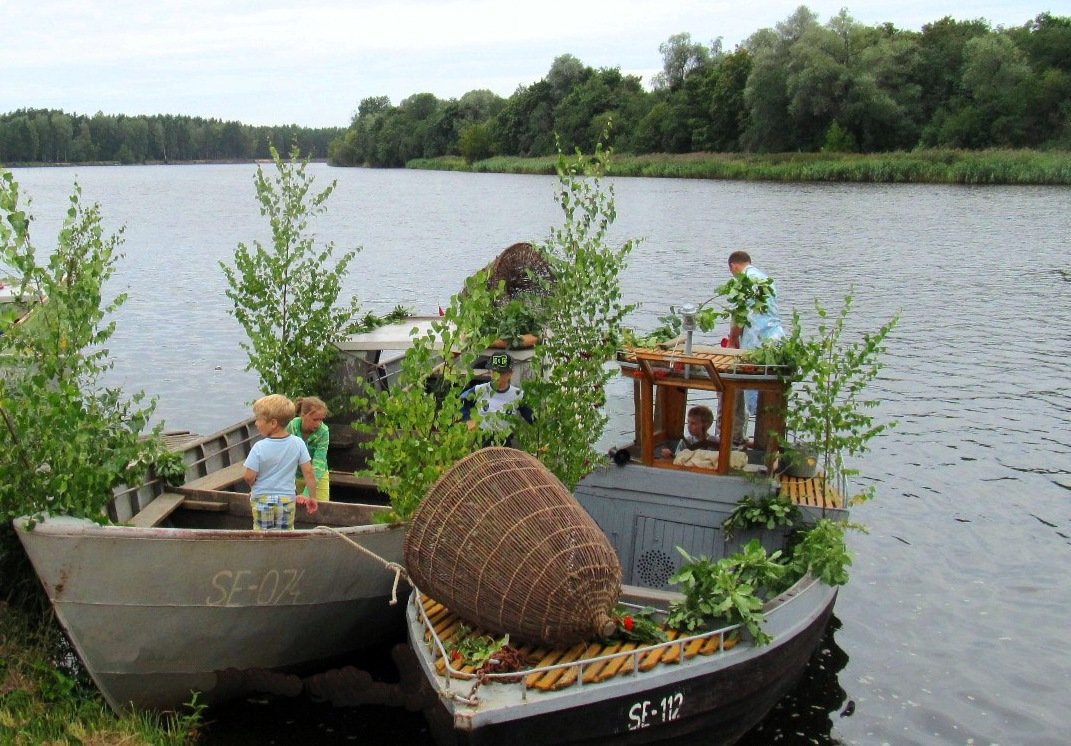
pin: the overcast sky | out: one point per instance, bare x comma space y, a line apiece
310, 62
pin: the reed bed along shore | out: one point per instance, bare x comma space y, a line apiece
916, 166
46, 698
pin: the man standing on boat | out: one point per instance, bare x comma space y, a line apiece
764, 322
495, 400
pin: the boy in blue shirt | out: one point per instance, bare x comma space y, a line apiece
270, 467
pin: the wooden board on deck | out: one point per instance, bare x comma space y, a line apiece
812, 491
447, 625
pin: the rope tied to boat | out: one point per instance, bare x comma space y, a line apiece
398, 570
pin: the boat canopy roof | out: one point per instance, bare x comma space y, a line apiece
396, 336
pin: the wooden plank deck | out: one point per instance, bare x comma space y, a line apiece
813, 492
447, 626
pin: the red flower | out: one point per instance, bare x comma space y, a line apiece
724, 341
628, 623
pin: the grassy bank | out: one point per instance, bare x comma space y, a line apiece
917, 166
45, 699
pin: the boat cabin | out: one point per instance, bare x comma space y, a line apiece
663, 379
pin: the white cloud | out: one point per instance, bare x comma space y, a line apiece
269, 61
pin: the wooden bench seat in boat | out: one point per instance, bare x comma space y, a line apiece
219, 479
349, 479
163, 506
230, 475
157, 511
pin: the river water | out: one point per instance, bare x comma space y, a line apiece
952, 628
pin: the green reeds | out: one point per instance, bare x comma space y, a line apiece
45, 699
916, 166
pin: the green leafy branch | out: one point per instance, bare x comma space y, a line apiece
769, 511
823, 552
471, 649
729, 590
583, 312
65, 441
285, 296
417, 423
742, 296
828, 406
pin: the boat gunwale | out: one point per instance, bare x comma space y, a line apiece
71, 525
781, 601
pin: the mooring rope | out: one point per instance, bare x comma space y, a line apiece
394, 567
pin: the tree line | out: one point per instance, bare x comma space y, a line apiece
800, 86
52, 136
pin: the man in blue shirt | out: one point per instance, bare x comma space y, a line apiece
763, 324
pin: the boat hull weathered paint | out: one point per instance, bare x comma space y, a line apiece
203, 603
719, 697
646, 513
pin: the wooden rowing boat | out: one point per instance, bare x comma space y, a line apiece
178, 595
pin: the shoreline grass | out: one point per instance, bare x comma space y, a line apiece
45, 699
1019, 167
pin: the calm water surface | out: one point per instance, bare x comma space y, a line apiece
953, 627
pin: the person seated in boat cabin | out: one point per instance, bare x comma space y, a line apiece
496, 401
696, 434
270, 467
309, 426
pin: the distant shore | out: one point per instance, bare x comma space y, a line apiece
1021, 167
207, 162
1011, 167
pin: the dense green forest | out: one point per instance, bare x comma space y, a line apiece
50, 136
799, 87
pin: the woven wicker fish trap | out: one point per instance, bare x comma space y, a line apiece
523, 268
501, 542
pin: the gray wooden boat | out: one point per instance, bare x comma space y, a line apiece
179, 595
714, 685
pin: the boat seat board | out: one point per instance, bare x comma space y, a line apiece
157, 511
349, 479
211, 506
448, 625
811, 491
219, 479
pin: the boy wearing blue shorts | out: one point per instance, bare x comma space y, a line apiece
270, 467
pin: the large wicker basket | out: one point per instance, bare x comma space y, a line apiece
503, 543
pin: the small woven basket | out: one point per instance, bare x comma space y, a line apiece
502, 543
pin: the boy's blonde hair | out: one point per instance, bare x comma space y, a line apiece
310, 404
703, 413
274, 407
